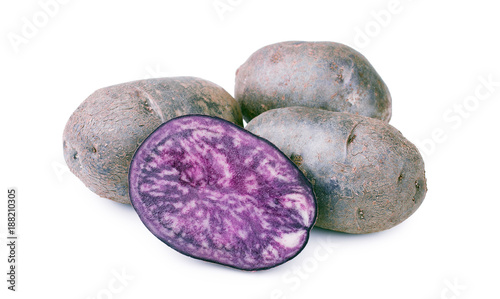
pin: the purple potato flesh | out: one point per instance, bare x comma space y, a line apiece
213, 191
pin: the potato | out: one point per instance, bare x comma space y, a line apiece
324, 75
211, 190
105, 130
367, 177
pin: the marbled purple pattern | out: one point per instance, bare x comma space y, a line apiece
213, 191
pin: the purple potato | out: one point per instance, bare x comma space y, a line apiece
367, 176
103, 133
214, 191
324, 75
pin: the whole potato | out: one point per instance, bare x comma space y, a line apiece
325, 75
367, 177
103, 133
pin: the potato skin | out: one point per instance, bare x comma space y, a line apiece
325, 75
367, 177
103, 133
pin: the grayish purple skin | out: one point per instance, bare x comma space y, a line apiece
325, 75
213, 191
103, 133
366, 175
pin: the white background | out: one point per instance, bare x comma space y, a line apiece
434, 56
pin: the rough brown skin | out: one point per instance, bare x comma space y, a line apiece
367, 177
325, 75
103, 133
